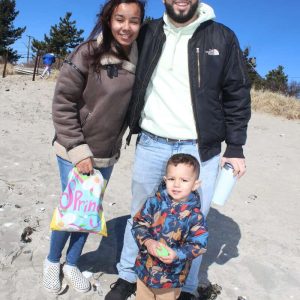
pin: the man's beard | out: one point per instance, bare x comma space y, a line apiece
181, 18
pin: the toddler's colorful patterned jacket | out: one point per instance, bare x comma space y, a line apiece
181, 226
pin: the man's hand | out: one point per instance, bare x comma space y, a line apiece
85, 166
239, 165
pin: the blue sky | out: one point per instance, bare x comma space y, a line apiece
270, 27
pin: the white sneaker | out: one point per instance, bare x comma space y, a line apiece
75, 278
51, 280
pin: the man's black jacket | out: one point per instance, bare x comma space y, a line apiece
220, 88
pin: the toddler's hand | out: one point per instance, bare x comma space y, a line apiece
170, 258
151, 246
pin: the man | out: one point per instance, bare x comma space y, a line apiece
191, 93
48, 60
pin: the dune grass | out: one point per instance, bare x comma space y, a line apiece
276, 104
9, 69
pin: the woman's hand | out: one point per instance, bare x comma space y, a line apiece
85, 166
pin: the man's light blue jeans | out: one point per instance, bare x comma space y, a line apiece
60, 238
152, 154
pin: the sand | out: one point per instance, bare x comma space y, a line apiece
254, 246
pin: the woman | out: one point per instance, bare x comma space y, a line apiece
89, 110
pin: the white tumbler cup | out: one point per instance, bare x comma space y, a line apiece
225, 184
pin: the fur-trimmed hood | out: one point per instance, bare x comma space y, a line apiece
130, 65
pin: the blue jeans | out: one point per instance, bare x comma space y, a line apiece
60, 238
149, 168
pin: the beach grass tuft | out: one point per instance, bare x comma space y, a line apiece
276, 104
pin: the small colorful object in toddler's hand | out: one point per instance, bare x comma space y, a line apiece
162, 251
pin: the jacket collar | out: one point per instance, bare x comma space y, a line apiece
129, 66
192, 201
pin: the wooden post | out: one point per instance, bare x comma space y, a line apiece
38, 64
35, 65
5, 64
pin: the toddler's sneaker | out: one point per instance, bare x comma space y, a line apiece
75, 278
51, 280
121, 290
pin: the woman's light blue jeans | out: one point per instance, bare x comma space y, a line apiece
60, 238
149, 168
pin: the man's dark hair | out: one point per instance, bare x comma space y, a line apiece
187, 159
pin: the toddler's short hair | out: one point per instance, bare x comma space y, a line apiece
187, 159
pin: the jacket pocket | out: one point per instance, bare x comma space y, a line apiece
85, 115
88, 117
198, 67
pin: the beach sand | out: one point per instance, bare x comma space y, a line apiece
254, 245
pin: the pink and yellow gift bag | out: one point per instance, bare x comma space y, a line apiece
80, 205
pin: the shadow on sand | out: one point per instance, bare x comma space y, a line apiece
224, 237
105, 258
222, 246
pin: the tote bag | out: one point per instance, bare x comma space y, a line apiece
80, 205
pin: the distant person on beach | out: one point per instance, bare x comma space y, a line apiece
48, 61
191, 93
89, 110
170, 231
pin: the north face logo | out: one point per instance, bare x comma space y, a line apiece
212, 52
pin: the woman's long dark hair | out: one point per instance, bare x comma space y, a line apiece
109, 44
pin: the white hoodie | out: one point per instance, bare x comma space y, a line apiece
168, 109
